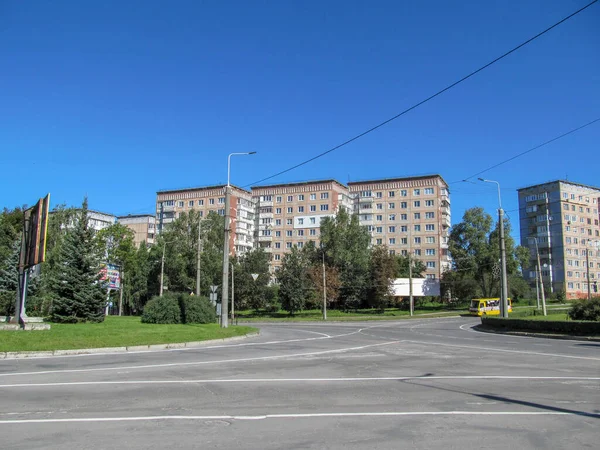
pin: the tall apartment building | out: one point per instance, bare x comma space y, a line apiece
409, 215
290, 214
142, 225
171, 203
561, 217
99, 220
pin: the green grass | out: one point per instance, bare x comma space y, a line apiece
430, 310
113, 332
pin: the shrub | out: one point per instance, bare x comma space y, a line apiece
163, 309
586, 310
541, 326
196, 309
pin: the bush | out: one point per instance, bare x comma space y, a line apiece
543, 326
163, 309
586, 310
196, 309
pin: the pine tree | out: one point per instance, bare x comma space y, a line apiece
9, 280
77, 292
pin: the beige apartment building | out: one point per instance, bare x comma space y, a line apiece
171, 203
290, 214
409, 215
560, 220
143, 227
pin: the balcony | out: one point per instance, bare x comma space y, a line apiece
265, 203
242, 230
165, 208
265, 215
265, 238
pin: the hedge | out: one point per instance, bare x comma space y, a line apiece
543, 326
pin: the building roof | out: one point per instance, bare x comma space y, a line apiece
135, 216
201, 188
387, 180
299, 183
559, 181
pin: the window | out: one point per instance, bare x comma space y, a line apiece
379, 217
428, 191
312, 220
200, 202
324, 195
404, 228
430, 227
391, 229
301, 197
277, 257
392, 241
221, 200
392, 217
191, 203
300, 221
430, 239
300, 244
417, 240
277, 222
288, 233
403, 216
391, 205
169, 203
300, 232
313, 232
404, 241
313, 208
391, 194
180, 204
211, 201
429, 203
417, 252
430, 252
221, 212
289, 221
417, 192
324, 207
379, 194
431, 264
417, 216
430, 215
403, 205
300, 209
290, 198
277, 244
379, 206
278, 199
313, 196
403, 193
417, 227
379, 241
201, 213
290, 210
288, 245
379, 230
277, 210
417, 203
278, 234
430, 276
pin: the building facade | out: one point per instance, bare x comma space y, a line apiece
170, 204
290, 214
409, 215
143, 227
560, 220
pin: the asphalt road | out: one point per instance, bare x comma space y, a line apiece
419, 384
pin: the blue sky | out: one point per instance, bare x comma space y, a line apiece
118, 99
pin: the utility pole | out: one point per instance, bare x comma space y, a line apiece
549, 243
537, 287
162, 269
587, 268
232, 293
410, 285
198, 257
539, 270
324, 285
121, 293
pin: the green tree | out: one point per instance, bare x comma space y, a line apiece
383, 268
346, 244
294, 282
418, 267
250, 293
136, 291
77, 292
9, 280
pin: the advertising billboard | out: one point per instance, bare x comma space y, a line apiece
111, 276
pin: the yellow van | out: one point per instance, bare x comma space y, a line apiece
487, 307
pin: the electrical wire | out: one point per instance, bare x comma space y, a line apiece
431, 97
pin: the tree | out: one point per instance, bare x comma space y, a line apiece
346, 245
11, 227
294, 283
332, 285
9, 280
474, 247
418, 267
383, 268
250, 293
77, 292
136, 291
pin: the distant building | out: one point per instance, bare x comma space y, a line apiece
561, 217
143, 227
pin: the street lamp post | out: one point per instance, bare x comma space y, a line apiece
504, 281
232, 293
324, 284
587, 267
162, 269
225, 289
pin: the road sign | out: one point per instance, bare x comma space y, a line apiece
254, 276
213, 297
218, 309
213, 288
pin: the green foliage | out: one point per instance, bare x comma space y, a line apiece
11, 228
196, 309
418, 267
586, 310
136, 281
543, 326
165, 309
250, 293
383, 268
518, 288
75, 284
294, 282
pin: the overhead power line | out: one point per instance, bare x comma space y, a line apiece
431, 97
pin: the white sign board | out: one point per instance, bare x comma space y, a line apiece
421, 287
254, 276
213, 288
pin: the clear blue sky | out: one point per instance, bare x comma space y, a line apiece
119, 99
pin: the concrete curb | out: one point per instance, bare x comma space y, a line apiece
132, 348
564, 337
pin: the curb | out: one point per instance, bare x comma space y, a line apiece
483, 329
131, 348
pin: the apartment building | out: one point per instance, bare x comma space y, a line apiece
409, 215
171, 203
560, 220
290, 214
143, 227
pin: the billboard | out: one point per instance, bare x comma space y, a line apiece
34, 233
421, 287
110, 274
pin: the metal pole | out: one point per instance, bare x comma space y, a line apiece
504, 296
410, 285
232, 294
162, 269
225, 289
587, 269
198, 256
121, 294
549, 244
324, 287
537, 288
539, 268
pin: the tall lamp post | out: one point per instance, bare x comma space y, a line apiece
324, 284
225, 290
504, 281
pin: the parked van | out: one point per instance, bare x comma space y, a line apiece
487, 307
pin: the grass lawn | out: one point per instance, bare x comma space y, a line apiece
113, 332
433, 310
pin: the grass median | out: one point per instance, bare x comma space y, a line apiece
113, 332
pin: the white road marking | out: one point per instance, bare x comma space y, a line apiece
470, 327
300, 380
197, 363
292, 416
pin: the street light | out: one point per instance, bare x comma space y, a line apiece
324, 284
587, 266
162, 266
504, 281
225, 290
